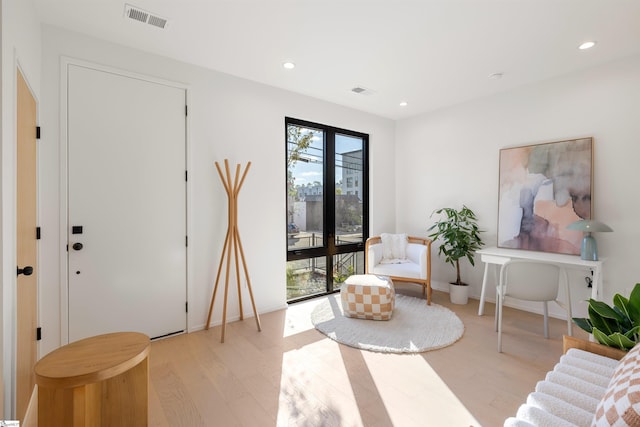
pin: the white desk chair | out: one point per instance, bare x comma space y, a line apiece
531, 281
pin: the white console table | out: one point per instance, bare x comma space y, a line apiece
498, 256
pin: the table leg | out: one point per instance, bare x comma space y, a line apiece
596, 284
484, 286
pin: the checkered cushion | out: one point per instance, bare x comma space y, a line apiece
620, 405
367, 296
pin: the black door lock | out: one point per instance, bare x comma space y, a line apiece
27, 271
77, 246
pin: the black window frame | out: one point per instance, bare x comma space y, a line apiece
329, 249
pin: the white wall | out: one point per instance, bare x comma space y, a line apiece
229, 118
20, 48
450, 157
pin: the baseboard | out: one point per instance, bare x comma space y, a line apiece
440, 286
249, 315
518, 305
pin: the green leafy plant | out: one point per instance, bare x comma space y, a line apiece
617, 326
458, 230
341, 274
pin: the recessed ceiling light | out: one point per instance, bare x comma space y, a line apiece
289, 65
496, 76
587, 45
404, 104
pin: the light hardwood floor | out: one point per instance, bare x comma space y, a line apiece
291, 375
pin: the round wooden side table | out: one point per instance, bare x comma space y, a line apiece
97, 381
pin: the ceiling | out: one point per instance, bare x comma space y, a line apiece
429, 53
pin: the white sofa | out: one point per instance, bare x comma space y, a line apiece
585, 389
415, 266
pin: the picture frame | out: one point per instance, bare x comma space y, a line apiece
542, 189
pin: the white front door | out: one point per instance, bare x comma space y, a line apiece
127, 262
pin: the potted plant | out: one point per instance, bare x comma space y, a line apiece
460, 238
617, 326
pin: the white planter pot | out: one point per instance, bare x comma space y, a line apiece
458, 294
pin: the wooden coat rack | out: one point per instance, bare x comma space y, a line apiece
232, 244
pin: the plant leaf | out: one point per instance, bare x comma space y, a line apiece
621, 341
602, 338
608, 326
625, 323
634, 305
604, 310
633, 333
622, 303
584, 324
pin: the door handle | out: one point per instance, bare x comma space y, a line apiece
77, 246
27, 271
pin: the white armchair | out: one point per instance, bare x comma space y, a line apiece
415, 268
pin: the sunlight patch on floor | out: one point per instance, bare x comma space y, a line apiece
324, 383
315, 388
298, 317
437, 404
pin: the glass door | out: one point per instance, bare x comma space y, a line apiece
327, 207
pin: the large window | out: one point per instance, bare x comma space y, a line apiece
327, 206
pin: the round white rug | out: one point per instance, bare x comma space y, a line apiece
414, 327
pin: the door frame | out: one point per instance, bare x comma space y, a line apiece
65, 62
14, 328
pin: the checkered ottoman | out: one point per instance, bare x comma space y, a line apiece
367, 296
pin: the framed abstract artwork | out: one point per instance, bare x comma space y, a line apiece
543, 188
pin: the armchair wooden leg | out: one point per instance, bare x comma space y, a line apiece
428, 286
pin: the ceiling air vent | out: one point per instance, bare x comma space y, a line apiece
361, 90
157, 21
137, 14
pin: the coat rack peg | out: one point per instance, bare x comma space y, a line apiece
232, 246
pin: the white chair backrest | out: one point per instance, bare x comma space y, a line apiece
530, 281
